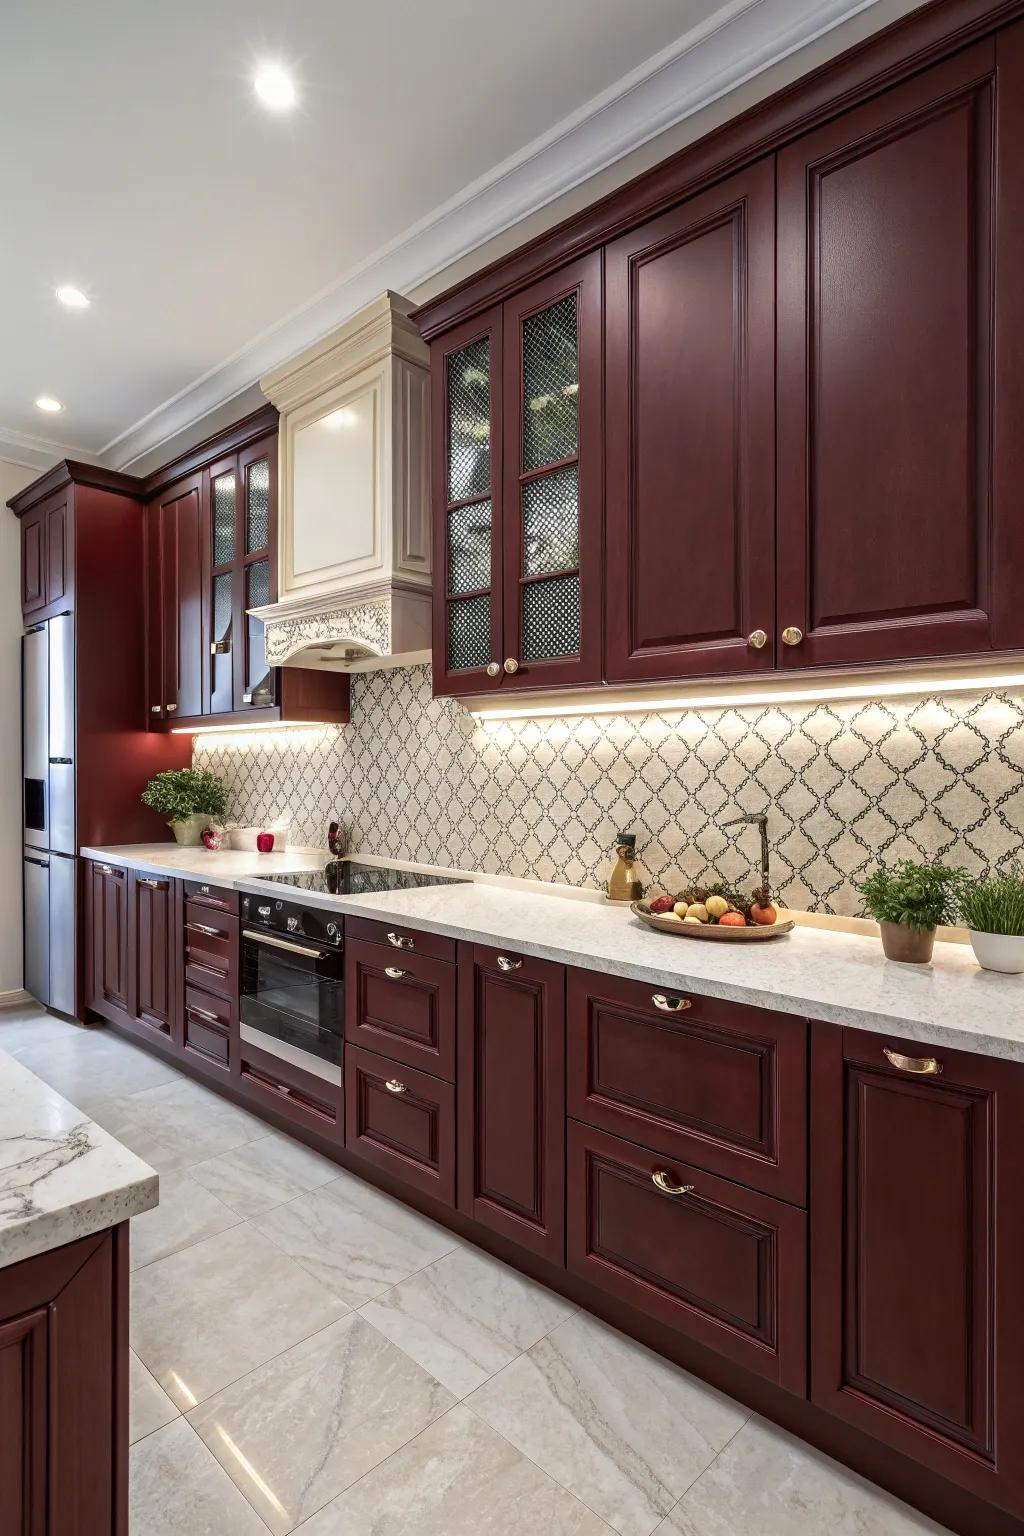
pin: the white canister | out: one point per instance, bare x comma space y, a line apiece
998, 951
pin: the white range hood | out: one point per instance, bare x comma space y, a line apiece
354, 588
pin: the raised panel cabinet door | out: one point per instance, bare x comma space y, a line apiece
552, 506
58, 554
466, 458
401, 1120
690, 391
181, 597
510, 1077
108, 937
153, 930
402, 1006
255, 572
33, 561
886, 367
156, 694
918, 1240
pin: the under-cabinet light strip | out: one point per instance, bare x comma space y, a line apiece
869, 688
254, 725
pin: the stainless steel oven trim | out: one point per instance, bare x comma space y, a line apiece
295, 949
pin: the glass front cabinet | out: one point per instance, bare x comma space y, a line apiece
237, 554
518, 490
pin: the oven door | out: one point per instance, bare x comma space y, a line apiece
292, 1000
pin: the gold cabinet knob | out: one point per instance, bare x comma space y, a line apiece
925, 1066
662, 1181
511, 665
757, 639
493, 669
791, 635
394, 1086
505, 964
395, 972
170, 708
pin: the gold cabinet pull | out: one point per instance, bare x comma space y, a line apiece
791, 635
757, 639
505, 964
511, 665
661, 1180
394, 1086
670, 1004
170, 708
395, 972
399, 941
147, 880
494, 669
195, 1012
155, 709
924, 1066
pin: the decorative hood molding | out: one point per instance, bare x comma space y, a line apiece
354, 589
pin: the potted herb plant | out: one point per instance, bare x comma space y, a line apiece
908, 902
188, 799
992, 909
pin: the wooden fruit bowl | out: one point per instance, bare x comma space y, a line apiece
726, 935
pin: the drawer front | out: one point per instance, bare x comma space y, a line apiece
402, 1006
407, 1128
215, 897
409, 941
723, 1264
211, 950
716, 1083
293, 1093
210, 1027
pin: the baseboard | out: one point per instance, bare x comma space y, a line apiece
15, 998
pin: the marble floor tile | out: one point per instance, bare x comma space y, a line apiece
617, 1425
90, 1064
466, 1317
264, 1173
178, 1124
209, 1314
302, 1428
178, 1489
149, 1408
27, 1025
186, 1214
354, 1239
767, 1482
458, 1478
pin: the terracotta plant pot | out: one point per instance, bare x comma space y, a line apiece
911, 945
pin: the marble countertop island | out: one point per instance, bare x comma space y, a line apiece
61, 1176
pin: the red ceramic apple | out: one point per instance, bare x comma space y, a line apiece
264, 842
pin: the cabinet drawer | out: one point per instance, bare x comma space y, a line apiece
211, 950
395, 936
723, 1264
210, 1027
401, 1005
401, 1120
719, 1084
292, 1092
215, 896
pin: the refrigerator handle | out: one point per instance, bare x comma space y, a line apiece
43, 863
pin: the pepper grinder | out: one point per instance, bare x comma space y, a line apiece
624, 883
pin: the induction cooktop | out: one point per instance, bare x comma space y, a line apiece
347, 877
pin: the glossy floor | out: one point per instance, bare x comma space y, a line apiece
309, 1355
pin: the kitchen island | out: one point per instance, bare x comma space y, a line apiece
67, 1192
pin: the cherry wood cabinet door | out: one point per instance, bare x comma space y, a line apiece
511, 1096
889, 306
153, 933
107, 982
63, 1391
723, 1264
918, 1243
401, 1006
466, 458
401, 1120
47, 563
690, 390
58, 551
33, 560
176, 619
552, 507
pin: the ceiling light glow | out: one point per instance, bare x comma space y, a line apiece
275, 87
72, 297
48, 403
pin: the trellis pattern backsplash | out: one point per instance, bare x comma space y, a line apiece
416, 778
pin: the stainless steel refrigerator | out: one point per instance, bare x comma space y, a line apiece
51, 863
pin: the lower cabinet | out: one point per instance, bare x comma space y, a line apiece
401, 1120
153, 926
64, 1390
918, 1246
107, 944
511, 1096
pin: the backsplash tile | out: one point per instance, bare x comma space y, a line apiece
417, 778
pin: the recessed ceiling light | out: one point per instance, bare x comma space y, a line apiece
275, 87
48, 403
72, 297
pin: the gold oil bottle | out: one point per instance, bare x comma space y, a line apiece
624, 883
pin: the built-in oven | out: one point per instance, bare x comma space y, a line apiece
292, 996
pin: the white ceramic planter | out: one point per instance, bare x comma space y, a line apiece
189, 831
999, 951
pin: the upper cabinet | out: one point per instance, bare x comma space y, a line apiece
518, 490
47, 561
809, 450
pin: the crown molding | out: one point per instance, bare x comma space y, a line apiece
39, 452
744, 39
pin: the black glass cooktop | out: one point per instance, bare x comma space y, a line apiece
347, 877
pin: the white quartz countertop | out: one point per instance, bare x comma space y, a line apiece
226, 867
840, 977
61, 1176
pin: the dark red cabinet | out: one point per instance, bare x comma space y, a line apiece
64, 1390
401, 1120
107, 983
154, 926
511, 1096
175, 628
917, 1244
402, 1006
46, 556
891, 307
690, 450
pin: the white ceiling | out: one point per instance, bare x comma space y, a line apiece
216, 238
